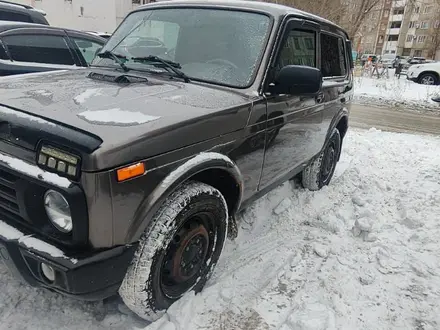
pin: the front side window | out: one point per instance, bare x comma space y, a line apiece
87, 48
219, 46
299, 48
333, 63
38, 49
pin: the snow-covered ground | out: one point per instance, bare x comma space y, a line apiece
395, 92
362, 253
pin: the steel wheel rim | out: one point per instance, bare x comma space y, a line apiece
187, 255
328, 162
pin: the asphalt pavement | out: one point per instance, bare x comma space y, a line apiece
388, 119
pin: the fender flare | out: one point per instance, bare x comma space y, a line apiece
190, 167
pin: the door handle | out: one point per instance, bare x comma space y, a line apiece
320, 98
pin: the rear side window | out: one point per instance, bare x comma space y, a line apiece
39, 49
333, 56
14, 17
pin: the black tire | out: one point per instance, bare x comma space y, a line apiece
193, 219
428, 79
320, 171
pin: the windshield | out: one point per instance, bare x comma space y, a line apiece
220, 46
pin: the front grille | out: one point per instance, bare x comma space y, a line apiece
8, 197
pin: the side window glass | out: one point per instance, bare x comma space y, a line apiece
39, 49
14, 17
298, 49
3, 55
87, 48
333, 61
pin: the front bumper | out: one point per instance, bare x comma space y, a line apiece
412, 75
88, 276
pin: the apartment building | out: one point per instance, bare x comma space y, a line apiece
411, 29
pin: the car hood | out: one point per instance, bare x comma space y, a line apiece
435, 66
124, 115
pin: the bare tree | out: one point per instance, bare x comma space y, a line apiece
433, 42
350, 14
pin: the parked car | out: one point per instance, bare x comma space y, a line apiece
26, 48
127, 176
364, 58
11, 11
425, 74
390, 60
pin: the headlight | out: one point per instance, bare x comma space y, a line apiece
58, 211
59, 161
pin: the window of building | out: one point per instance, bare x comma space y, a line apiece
427, 9
333, 59
437, 24
393, 52
39, 49
412, 24
381, 39
421, 39
416, 10
417, 53
409, 38
396, 25
399, 11
393, 37
424, 25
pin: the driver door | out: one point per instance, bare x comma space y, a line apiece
294, 129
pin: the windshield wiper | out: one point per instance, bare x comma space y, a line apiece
116, 57
173, 66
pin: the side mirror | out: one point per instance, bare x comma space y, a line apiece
297, 80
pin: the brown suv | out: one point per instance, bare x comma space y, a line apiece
127, 176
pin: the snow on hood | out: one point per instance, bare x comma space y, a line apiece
116, 117
121, 114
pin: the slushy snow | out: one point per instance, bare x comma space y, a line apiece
362, 253
395, 93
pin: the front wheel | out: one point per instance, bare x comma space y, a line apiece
178, 252
320, 171
428, 79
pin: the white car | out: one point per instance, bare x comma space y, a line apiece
425, 74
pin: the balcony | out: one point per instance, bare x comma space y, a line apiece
394, 31
390, 45
397, 18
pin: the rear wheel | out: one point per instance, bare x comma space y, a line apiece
178, 252
320, 171
428, 79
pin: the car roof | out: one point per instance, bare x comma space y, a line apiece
36, 14
10, 25
273, 9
